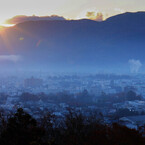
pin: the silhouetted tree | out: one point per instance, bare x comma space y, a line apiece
21, 129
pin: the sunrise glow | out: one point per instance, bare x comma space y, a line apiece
69, 9
72, 72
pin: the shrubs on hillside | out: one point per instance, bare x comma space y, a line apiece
74, 129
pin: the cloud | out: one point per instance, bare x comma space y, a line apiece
23, 18
95, 16
135, 65
13, 58
119, 10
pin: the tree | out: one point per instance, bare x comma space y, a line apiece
21, 129
130, 96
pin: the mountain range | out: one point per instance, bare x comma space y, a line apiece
116, 44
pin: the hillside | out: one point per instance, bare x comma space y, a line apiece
76, 45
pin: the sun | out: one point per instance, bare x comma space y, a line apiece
4, 24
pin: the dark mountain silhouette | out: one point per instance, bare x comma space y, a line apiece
76, 45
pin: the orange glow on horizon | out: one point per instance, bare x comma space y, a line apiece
7, 25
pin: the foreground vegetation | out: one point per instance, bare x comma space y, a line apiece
74, 129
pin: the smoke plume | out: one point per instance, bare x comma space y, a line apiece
135, 65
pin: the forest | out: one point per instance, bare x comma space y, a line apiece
20, 128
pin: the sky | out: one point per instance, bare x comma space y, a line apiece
70, 9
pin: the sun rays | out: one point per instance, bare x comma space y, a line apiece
16, 36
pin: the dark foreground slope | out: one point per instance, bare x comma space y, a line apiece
22, 129
77, 45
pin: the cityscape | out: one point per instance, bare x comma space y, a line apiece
119, 98
72, 72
